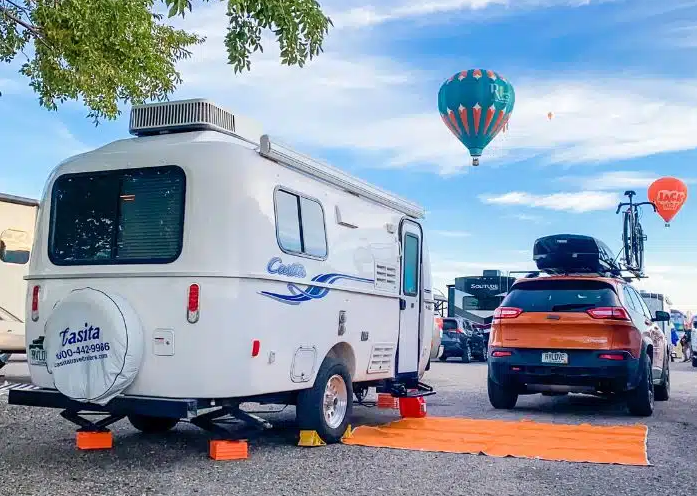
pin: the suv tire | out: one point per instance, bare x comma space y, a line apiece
662, 391
640, 400
467, 353
501, 397
694, 361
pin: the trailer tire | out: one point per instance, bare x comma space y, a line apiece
326, 407
152, 425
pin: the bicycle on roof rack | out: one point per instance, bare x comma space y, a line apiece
633, 236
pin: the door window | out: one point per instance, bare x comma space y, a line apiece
410, 278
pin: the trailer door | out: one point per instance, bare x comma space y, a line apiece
410, 300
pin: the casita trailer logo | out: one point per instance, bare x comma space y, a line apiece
276, 266
89, 333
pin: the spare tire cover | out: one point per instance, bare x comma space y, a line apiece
94, 345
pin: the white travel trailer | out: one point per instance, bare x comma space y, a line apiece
198, 266
655, 302
17, 220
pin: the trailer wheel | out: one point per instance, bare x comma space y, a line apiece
326, 407
152, 425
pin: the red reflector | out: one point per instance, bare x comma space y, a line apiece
614, 313
256, 345
612, 356
507, 312
192, 309
35, 303
501, 354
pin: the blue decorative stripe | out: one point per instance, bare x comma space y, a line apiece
298, 295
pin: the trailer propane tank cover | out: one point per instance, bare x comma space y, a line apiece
94, 345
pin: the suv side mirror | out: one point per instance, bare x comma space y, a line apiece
661, 316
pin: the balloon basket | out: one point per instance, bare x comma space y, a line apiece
475, 161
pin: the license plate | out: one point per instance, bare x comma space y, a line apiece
37, 357
555, 357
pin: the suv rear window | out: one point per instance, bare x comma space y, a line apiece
449, 325
117, 217
561, 296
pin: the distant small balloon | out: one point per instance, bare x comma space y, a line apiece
550, 115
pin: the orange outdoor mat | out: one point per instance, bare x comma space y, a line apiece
624, 445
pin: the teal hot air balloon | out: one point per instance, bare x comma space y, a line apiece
476, 105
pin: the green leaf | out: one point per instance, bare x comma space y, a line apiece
108, 52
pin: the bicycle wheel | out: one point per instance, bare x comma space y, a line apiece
639, 247
627, 238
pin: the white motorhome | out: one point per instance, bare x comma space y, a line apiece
17, 220
655, 302
198, 265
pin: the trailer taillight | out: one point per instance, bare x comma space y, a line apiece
35, 303
192, 309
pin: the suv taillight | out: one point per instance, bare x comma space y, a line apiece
614, 313
507, 312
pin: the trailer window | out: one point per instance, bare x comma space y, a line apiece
410, 278
300, 227
118, 217
14, 247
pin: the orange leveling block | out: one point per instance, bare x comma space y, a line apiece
386, 400
220, 450
91, 440
412, 407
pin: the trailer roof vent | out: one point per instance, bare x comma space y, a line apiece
190, 115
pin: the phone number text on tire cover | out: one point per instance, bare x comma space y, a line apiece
82, 350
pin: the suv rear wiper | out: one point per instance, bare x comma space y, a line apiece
572, 306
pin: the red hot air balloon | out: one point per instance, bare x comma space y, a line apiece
669, 195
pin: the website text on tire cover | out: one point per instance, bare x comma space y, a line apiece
633, 236
198, 266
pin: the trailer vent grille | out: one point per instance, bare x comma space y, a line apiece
381, 358
385, 277
189, 115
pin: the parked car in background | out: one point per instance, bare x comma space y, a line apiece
11, 336
461, 339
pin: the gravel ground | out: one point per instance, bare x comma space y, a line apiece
38, 454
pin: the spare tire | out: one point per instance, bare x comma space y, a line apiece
94, 345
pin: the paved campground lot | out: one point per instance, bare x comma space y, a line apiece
38, 454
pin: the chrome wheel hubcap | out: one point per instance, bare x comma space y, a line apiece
335, 401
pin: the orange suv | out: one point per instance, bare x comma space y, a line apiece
584, 333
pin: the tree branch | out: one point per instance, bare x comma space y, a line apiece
19, 21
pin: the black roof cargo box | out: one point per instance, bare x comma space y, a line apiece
573, 254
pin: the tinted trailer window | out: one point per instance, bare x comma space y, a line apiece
561, 296
117, 217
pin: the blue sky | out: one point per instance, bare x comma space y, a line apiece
618, 76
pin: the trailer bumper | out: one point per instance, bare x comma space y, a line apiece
119, 406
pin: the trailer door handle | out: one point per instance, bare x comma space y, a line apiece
402, 304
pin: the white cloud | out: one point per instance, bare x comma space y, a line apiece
445, 269
352, 98
676, 281
612, 180
615, 180
576, 202
451, 234
356, 14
